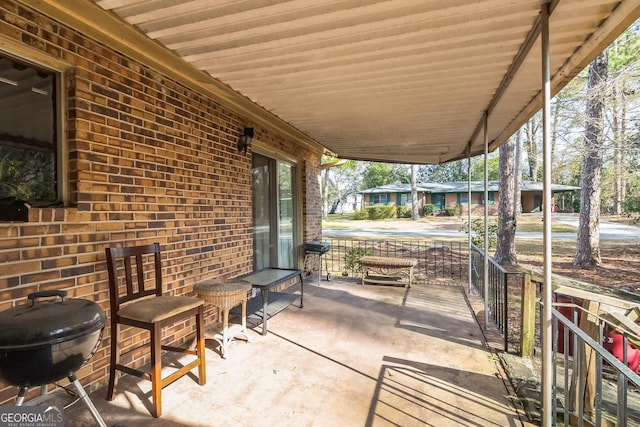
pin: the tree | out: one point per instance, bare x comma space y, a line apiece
414, 193
566, 139
588, 243
340, 179
531, 144
377, 174
401, 173
445, 172
624, 56
509, 193
517, 172
493, 166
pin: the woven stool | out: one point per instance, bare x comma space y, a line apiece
226, 294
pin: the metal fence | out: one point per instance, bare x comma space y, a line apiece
438, 261
498, 289
584, 394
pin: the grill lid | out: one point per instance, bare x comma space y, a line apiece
321, 247
48, 322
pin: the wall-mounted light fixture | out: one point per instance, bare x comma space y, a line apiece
245, 140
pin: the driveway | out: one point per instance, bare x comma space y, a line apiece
608, 230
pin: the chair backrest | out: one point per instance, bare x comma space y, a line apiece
134, 272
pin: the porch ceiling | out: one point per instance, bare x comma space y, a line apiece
399, 81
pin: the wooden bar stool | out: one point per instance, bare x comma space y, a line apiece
137, 300
226, 294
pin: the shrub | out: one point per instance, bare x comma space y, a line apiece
360, 215
575, 205
381, 212
632, 204
477, 232
404, 211
452, 211
429, 209
352, 259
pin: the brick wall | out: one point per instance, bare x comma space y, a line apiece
312, 203
149, 160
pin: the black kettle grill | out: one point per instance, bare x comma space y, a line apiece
45, 341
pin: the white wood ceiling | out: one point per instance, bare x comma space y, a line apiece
401, 81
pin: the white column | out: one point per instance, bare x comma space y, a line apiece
470, 266
547, 359
485, 267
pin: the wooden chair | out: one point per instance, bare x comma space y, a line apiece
135, 287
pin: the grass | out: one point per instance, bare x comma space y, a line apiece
535, 224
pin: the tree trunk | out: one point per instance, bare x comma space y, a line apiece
325, 194
532, 148
618, 124
588, 243
414, 193
617, 155
517, 171
623, 144
506, 244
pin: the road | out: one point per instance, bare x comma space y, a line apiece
608, 231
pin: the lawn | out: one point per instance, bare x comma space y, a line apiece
620, 259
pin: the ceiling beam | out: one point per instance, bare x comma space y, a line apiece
620, 19
522, 54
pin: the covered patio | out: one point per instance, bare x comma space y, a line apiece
354, 355
148, 105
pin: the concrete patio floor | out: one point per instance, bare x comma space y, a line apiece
353, 356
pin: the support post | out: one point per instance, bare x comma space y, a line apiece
528, 316
470, 267
548, 417
485, 267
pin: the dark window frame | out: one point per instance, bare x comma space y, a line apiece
376, 199
17, 144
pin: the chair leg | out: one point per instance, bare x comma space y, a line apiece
114, 360
156, 370
202, 368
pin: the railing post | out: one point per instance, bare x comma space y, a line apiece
528, 316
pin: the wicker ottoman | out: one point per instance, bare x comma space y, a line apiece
387, 270
226, 294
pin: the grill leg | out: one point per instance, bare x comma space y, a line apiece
85, 397
21, 394
79, 389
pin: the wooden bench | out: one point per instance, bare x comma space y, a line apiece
387, 270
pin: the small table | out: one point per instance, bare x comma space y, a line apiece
226, 294
268, 278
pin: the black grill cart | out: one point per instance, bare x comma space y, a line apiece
316, 249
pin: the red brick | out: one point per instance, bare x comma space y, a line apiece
144, 166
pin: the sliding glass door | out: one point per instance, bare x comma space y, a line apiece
274, 213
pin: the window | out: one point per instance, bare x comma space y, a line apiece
379, 199
491, 198
29, 148
405, 199
463, 198
274, 213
